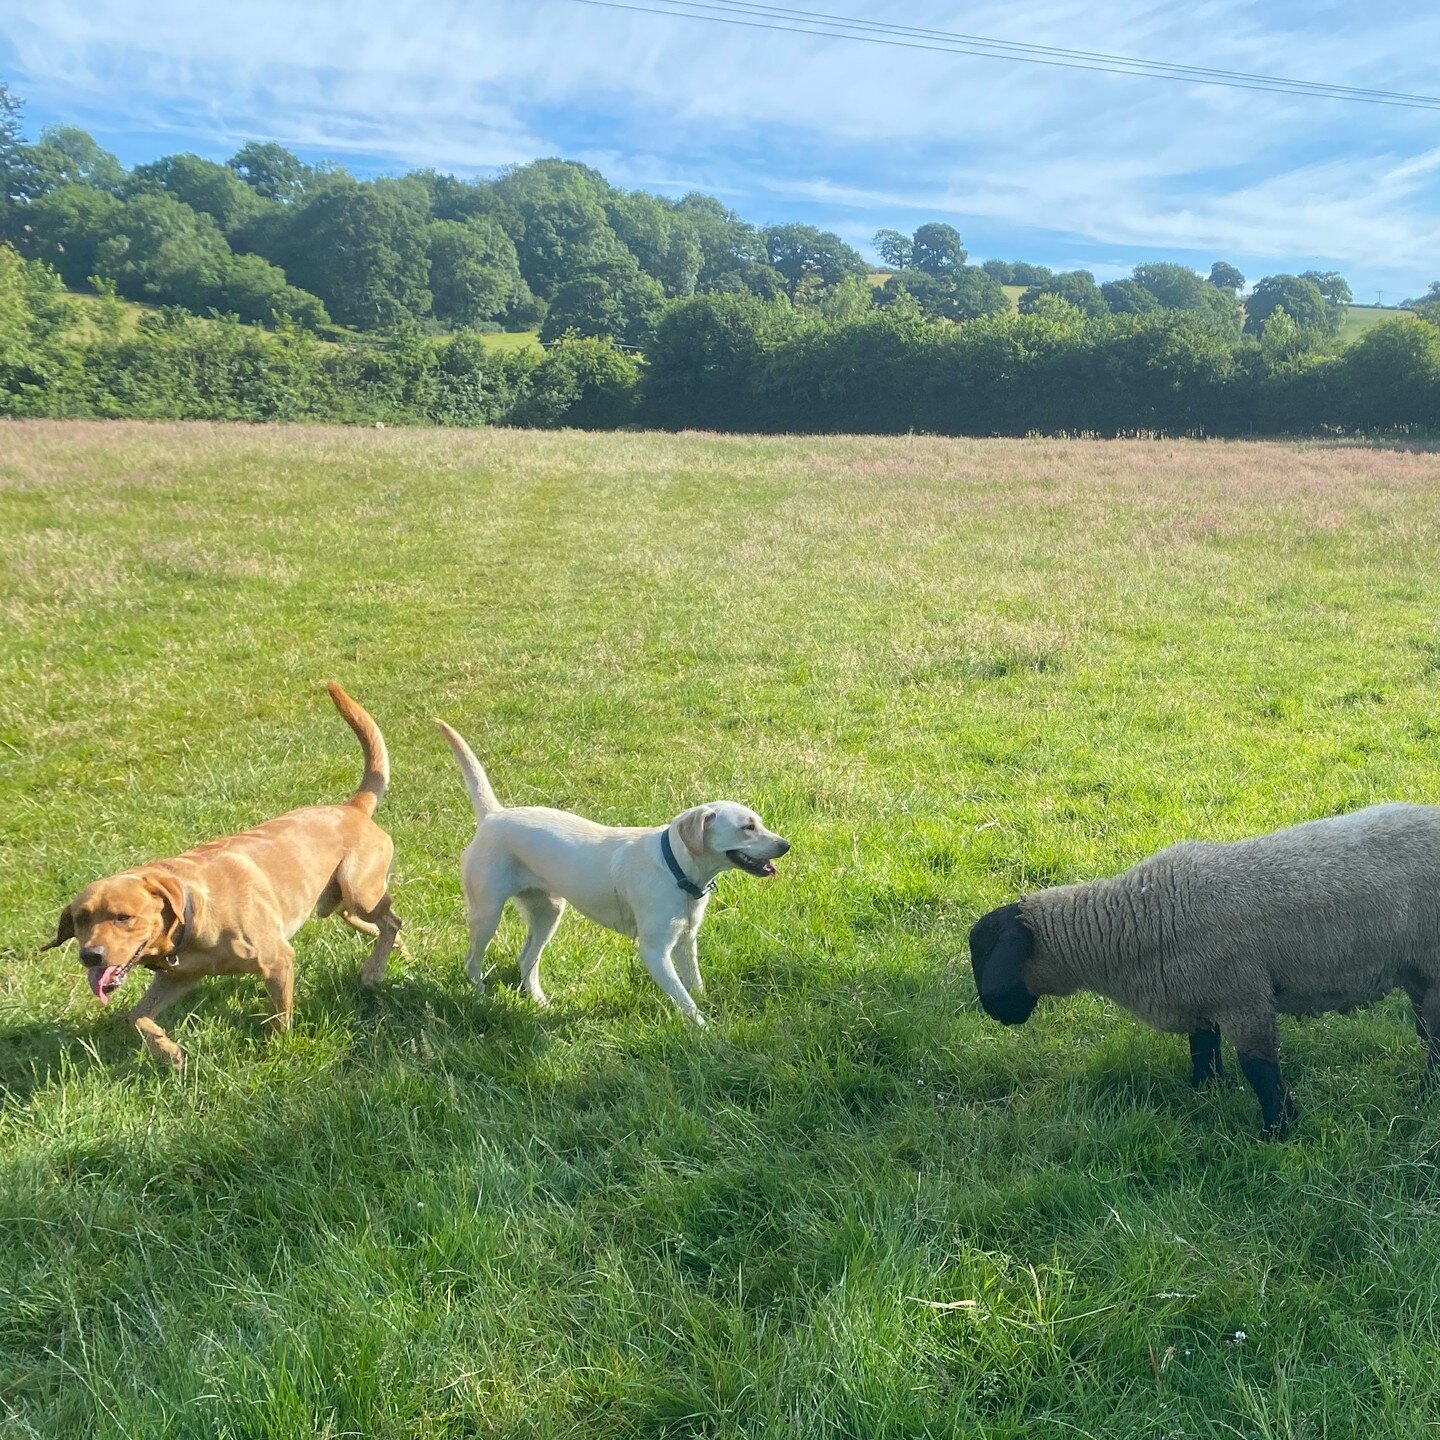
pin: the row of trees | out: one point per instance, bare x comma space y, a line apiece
737, 363
265, 235
550, 245
62, 357
731, 360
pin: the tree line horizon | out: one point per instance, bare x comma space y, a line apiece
549, 246
376, 294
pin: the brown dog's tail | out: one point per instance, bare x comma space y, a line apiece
372, 742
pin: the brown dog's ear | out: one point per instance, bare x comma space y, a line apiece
171, 894
690, 827
64, 930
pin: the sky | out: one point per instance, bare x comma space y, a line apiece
1063, 167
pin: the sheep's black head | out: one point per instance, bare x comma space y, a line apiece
1000, 944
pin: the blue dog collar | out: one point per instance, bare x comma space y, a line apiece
673, 865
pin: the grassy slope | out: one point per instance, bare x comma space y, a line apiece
511, 340
1360, 318
948, 670
132, 310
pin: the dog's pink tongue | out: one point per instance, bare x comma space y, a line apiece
98, 975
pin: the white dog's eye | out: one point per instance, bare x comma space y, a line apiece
750, 825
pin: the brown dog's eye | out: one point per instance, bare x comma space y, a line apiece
123, 919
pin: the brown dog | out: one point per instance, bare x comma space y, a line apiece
230, 907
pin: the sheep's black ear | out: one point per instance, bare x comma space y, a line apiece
1000, 944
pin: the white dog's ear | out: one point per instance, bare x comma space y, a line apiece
690, 827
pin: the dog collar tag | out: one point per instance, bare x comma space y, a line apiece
187, 920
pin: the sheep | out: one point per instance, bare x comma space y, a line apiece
1215, 939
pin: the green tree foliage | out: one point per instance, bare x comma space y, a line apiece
662, 239
1175, 287
1301, 300
254, 290
1128, 297
1427, 306
36, 364
158, 249
206, 187
937, 249
271, 171
66, 227
1074, 287
617, 300
1389, 379
707, 358
17, 175
584, 382
852, 298
1017, 272
732, 254
68, 155
1281, 339
555, 210
1331, 285
474, 272
895, 249
362, 250
730, 360
801, 251
960, 294
455, 199
1226, 277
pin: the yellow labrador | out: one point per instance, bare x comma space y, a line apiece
230, 907
651, 883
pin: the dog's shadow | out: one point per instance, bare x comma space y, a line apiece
36, 1054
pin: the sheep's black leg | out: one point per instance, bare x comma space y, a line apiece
1277, 1107
1205, 1064
1427, 1027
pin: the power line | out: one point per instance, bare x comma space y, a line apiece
1022, 47
797, 22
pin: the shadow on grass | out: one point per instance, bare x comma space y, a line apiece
35, 1053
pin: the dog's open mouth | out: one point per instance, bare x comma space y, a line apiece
749, 864
105, 980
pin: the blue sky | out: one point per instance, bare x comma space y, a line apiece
1058, 166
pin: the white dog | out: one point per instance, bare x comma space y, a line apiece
651, 884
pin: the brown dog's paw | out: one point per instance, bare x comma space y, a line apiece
170, 1055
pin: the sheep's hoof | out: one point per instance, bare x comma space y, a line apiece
1279, 1128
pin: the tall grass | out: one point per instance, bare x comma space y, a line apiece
948, 670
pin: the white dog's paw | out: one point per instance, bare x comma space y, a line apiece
697, 1019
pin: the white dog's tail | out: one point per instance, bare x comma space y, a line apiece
482, 797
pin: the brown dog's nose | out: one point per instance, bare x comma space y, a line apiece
92, 955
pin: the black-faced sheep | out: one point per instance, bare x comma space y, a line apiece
1215, 939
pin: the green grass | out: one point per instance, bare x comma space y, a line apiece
511, 339
947, 670
1360, 318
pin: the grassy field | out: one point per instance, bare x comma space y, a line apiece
1360, 318
853, 1207
511, 339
